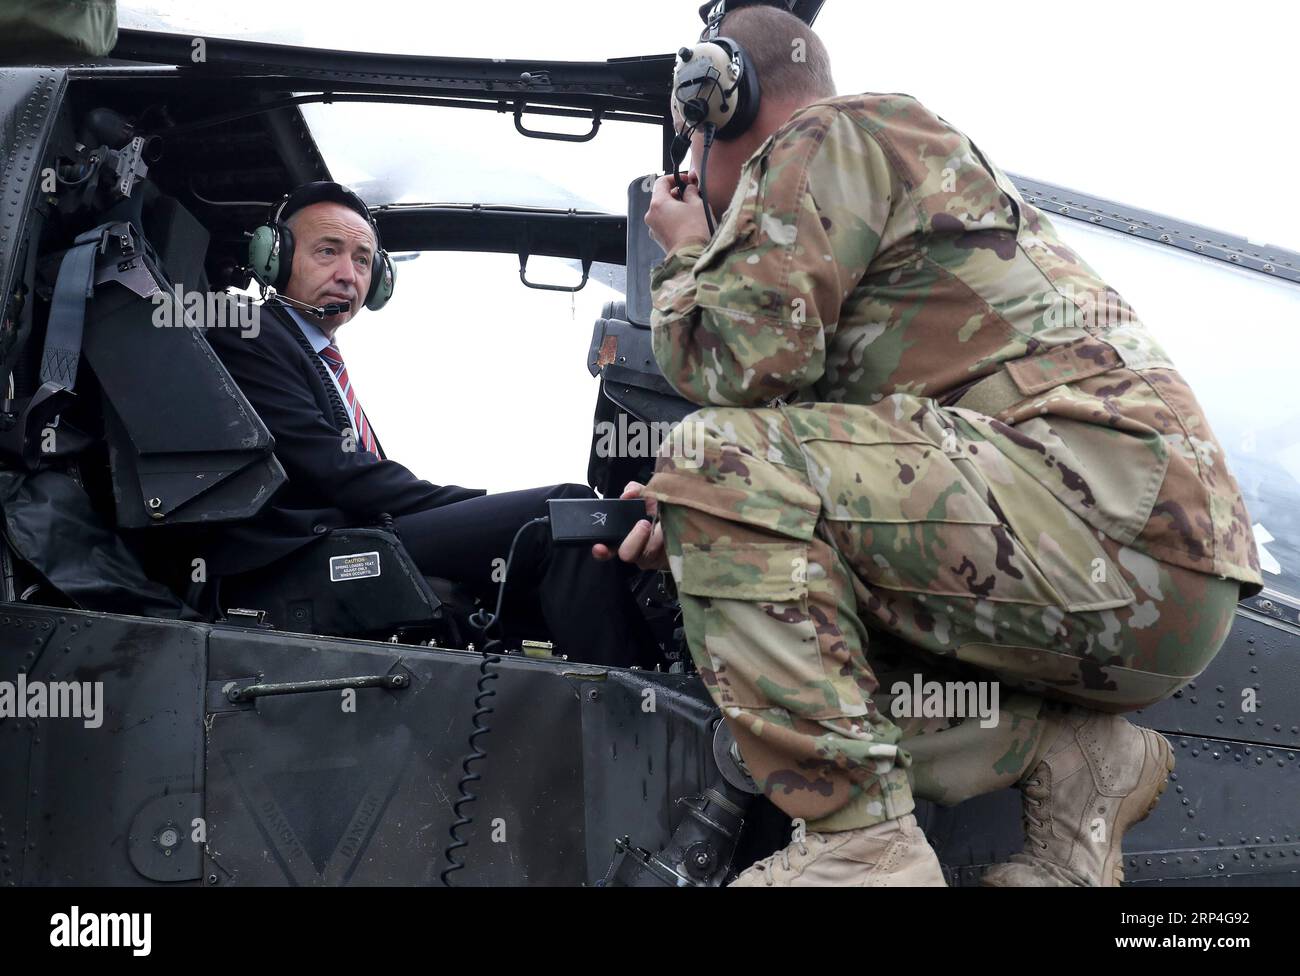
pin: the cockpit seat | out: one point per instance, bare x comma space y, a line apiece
348, 583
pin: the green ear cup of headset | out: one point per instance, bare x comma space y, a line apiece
383, 277
265, 251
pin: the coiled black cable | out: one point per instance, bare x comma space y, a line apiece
481, 711
481, 621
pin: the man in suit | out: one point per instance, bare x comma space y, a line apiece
294, 375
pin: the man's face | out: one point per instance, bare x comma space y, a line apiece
333, 257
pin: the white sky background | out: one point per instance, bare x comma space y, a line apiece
470, 378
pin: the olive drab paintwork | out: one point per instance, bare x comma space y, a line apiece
1081, 540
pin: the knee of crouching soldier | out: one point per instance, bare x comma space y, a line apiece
698, 435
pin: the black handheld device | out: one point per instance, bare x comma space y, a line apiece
591, 520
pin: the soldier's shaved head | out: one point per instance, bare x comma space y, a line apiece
791, 60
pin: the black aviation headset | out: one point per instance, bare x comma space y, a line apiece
270, 249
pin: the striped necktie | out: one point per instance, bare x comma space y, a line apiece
365, 436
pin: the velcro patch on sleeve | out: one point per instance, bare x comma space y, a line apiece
746, 571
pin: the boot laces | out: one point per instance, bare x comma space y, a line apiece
769, 862
1032, 797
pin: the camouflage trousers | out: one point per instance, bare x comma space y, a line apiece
834, 562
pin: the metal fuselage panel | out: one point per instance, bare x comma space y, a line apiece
29, 104
179, 784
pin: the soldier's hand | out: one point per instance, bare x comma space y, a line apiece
676, 220
644, 545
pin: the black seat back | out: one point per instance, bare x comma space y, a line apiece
185, 446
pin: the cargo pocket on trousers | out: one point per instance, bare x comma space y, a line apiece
910, 519
759, 638
1062, 547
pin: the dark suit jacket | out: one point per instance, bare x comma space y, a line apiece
328, 487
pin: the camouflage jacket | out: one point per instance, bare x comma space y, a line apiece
871, 249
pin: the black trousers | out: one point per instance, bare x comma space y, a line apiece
585, 606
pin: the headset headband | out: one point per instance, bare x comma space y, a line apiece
713, 18
323, 191
713, 11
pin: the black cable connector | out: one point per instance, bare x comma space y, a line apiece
481, 620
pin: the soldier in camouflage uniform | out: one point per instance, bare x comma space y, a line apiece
925, 417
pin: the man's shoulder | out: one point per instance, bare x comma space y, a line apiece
267, 334
849, 132
888, 120
922, 149
872, 110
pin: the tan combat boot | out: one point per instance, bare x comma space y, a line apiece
1094, 776
893, 854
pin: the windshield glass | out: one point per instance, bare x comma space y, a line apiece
445, 155
574, 30
418, 154
1134, 102
1166, 113
472, 379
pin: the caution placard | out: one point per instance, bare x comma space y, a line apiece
361, 565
